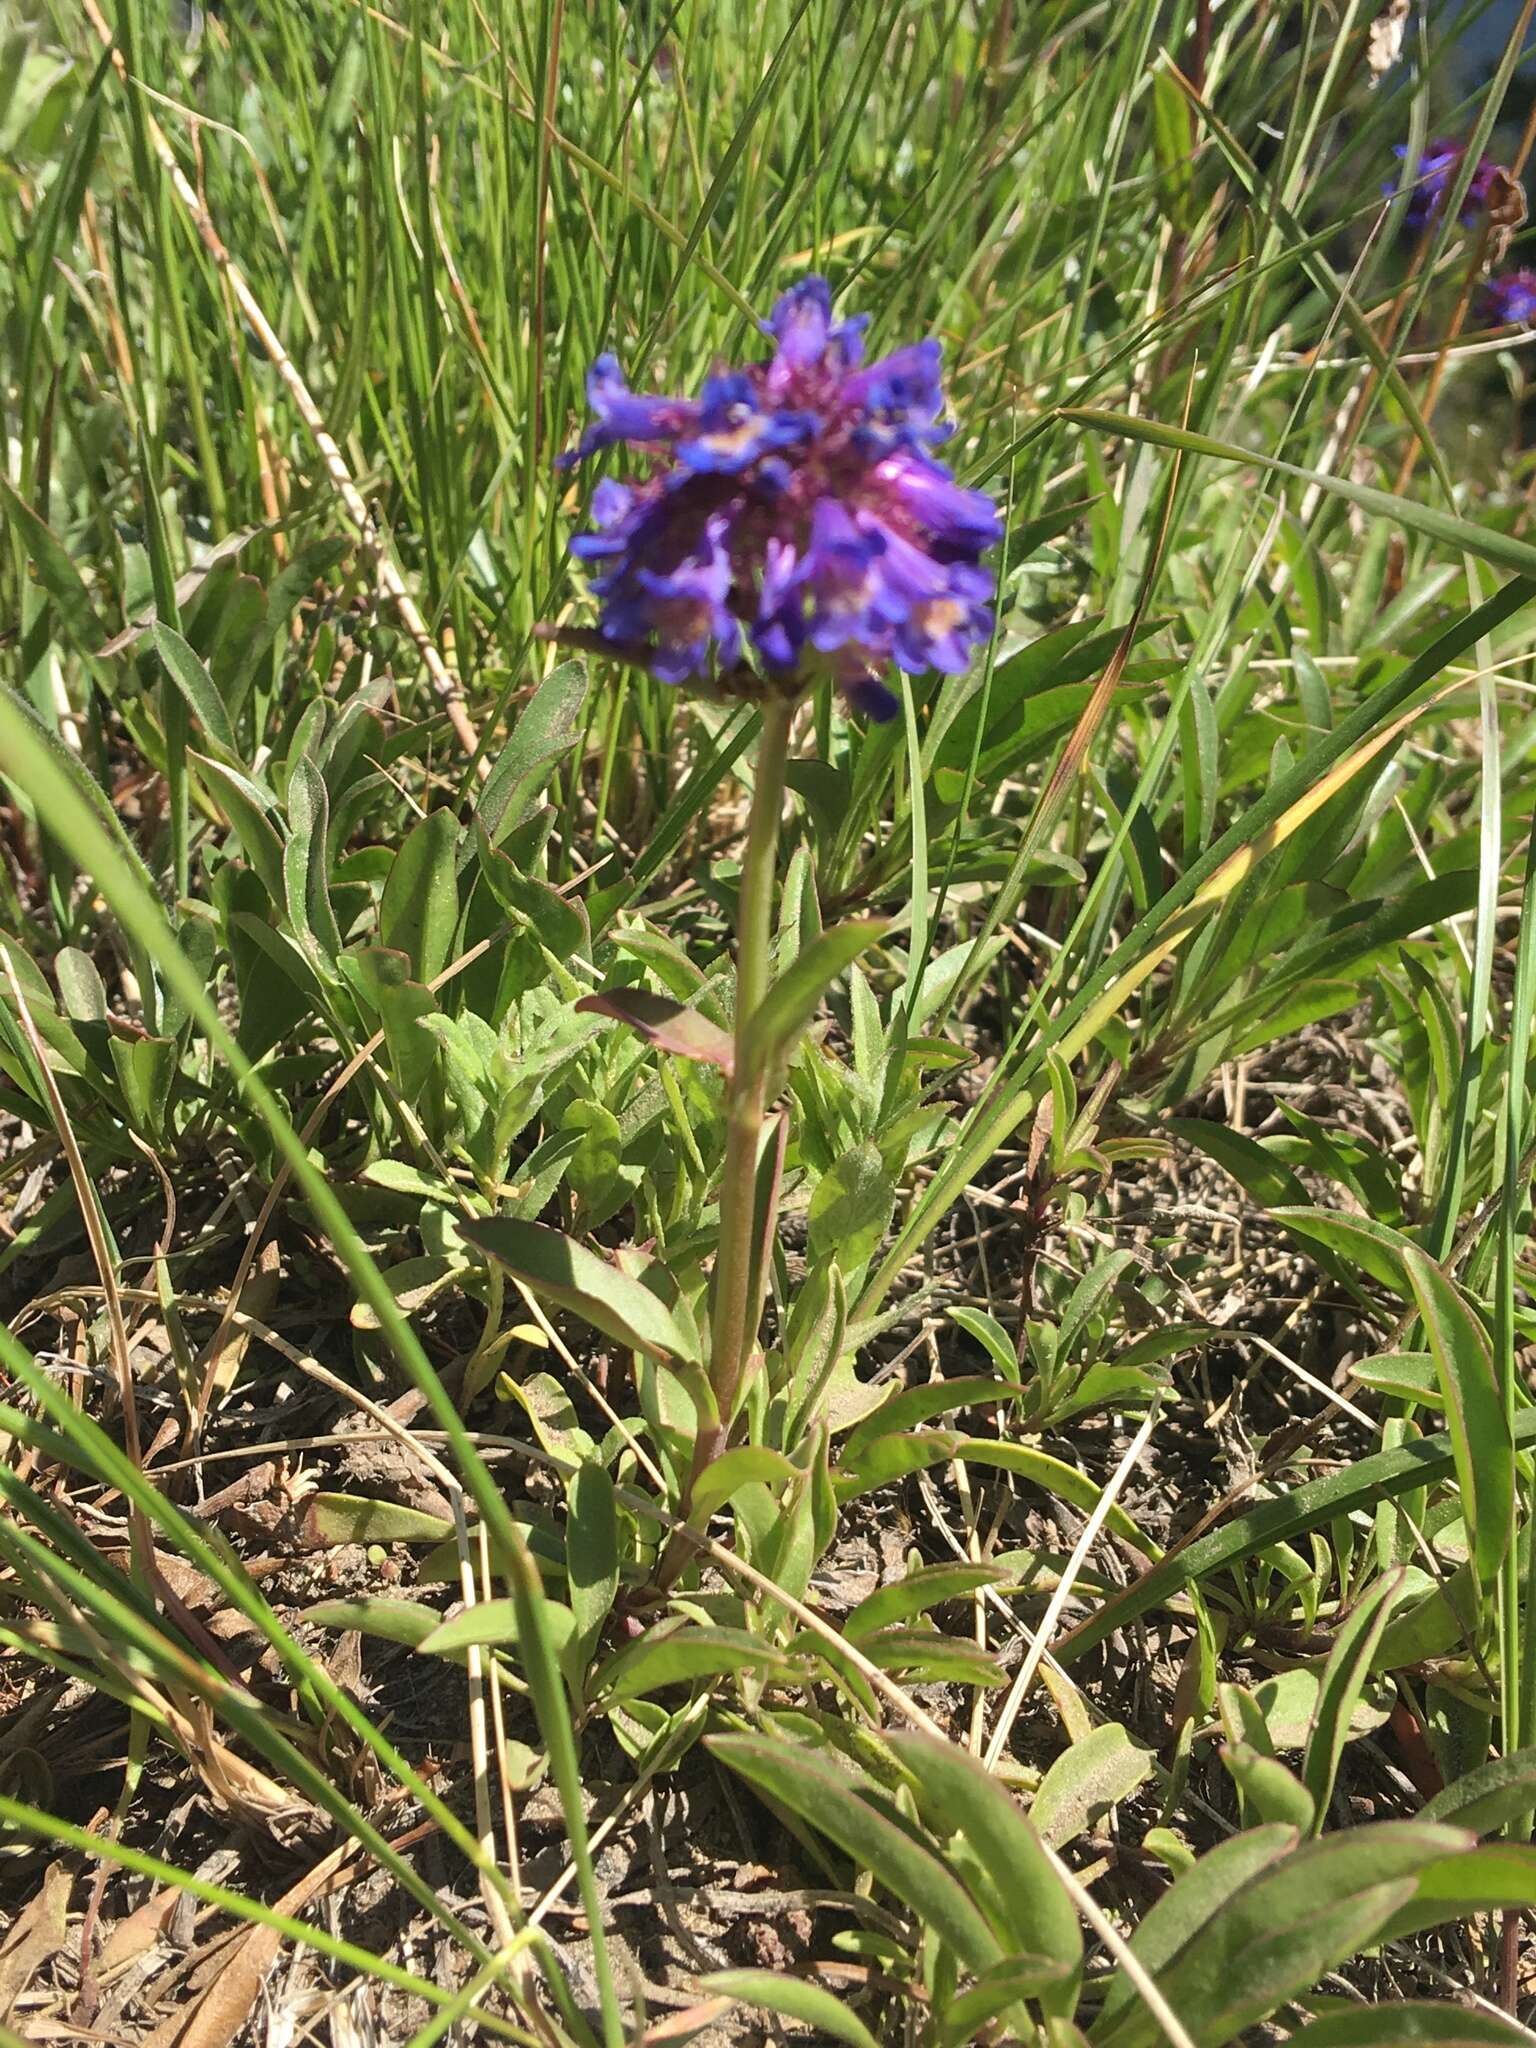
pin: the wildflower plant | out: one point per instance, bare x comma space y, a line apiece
321, 898
794, 525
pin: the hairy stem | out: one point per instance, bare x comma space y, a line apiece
734, 1313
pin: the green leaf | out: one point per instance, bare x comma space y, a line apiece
250, 816
289, 587
558, 1269
383, 979
497, 1624
918, 1404
83, 991
792, 1002
1489, 1797
591, 1552
956, 1794
1395, 2025
1173, 144
404, 1179
1409, 1374
793, 1999
1343, 1680
1285, 1928
540, 1660
915, 1593
1356, 1488
1188, 1904
1496, 1877
1443, 1621
558, 923
414, 1283
823, 1795
1255, 1169
542, 737
55, 571
1086, 1782
1486, 543
738, 1468
928, 1657
397, 1621
1274, 1792
892, 1457
1474, 1413
1052, 1475
593, 1167
1378, 1250
146, 1070
419, 909
682, 1656
851, 1207
83, 789
192, 679
992, 1337
1023, 1975
306, 864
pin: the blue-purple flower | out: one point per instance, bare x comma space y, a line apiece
795, 522
1510, 300
1438, 167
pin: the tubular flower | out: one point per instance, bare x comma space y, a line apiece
795, 517
1438, 167
1510, 300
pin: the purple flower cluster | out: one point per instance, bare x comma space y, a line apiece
1438, 167
1510, 300
795, 522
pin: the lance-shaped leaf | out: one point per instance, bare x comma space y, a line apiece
682, 1656
1411, 2026
558, 1269
1423, 1462
793, 1000
420, 906
1344, 1676
1186, 1906
1088, 1780
331, 1518
826, 1797
187, 672
1023, 1976
1497, 1877
541, 738
795, 1998
1285, 1928
249, 812
1503, 550
1474, 1411
55, 571
955, 1791
668, 1025
1488, 1798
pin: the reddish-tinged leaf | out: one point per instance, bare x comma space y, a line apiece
670, 1026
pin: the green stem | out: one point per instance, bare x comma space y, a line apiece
733, 1327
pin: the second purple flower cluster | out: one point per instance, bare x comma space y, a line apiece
795, 509
1508, 300
1438, 167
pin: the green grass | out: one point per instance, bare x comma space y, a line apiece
1149, 1043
